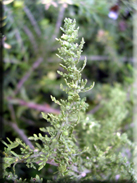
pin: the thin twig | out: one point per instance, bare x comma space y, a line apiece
103, 58
18, 37
28, 121
59, 22
16, 128
96, 58
95, 109
31, 37
11, 109
42, 108
16, 30
20, 132
27, 75
32, 20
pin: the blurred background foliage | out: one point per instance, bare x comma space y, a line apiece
30, 61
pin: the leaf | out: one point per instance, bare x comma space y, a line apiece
41, 165
45, 116
54, 100
85, 61
88, 88
16, 155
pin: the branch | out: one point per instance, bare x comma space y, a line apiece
16, 128
96, 58
20, 132
12, 112
32, 20
42, 108
95, 109
103, 58
59, 22
16, 30
31, 37
28, 121
27, 75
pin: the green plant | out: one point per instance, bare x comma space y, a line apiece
59, 144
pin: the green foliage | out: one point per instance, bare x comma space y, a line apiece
78, 144
104, 136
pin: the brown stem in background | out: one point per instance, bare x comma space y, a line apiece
42, 108
30, 36
95, 109
96, 58
28, 121
103, 58
27, 75
16, 128
11, 109
59, 22
20, 132
16, 30
32, 20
